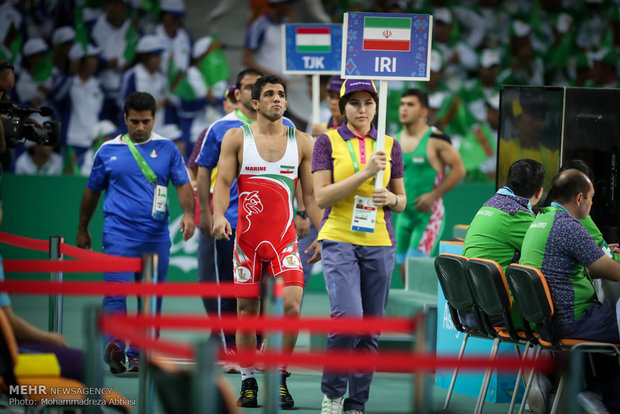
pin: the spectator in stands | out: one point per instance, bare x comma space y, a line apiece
38, 160
177, 42
357, 244
34, 86
114, 34
146, 76
567, 255
263, 51
81, 103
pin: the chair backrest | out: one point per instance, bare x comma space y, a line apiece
533, 299
491, 293
450, 270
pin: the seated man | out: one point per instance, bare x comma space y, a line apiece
497, 231
567, 255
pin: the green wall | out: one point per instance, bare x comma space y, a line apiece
40, 207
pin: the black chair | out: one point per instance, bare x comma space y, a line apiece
450, 270
533, 298
491, 294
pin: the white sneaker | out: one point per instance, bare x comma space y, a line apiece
592, 403
538, 396
353, 412
332, 405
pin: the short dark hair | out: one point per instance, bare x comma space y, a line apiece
525, 177
418, 93
264, 80
140, 101
244, 73
580, 165
568, 184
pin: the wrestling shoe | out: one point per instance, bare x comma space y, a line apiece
134, 364
287, 401
249, 390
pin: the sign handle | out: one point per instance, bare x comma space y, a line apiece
383, 87
316, 98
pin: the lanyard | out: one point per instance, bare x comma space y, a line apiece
356, 165
554, 204
242, 117
151, 177
508, 191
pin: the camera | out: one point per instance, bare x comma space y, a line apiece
18, 128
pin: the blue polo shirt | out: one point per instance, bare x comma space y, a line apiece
128, 200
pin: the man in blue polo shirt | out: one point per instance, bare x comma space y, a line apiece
134, 169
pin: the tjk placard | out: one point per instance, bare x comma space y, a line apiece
386, 46
312, 48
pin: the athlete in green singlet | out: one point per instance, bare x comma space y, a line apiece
426, 154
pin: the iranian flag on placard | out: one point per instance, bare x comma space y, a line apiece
313, 39
387, 33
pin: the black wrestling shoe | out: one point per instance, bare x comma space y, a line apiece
249, 391
287, 401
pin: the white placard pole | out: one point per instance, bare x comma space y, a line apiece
383, 86
316, 98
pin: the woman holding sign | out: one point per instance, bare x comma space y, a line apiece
357, 236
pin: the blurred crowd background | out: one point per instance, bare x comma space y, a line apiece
83, 57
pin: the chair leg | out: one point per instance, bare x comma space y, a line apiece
455, 374
515, 391
487, 378
558, 395
528, 386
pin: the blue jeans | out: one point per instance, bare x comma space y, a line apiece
358, 280
120, 246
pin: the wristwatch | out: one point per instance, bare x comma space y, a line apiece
302, 214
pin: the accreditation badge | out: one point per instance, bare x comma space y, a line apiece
160, 202
364, 215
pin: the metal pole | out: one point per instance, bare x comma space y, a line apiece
573, 383
316, 98
204, 389
273, 308
93, 367
146, 390
383, 88
55, 301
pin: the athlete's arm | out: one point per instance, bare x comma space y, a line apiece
448, 156
204, 191
302, 226
305, 175
186, 200
328, 193
228, 165
90, 199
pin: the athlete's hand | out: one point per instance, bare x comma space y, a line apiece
424, 202
83, 240
614, 248
382, 197
221, 228
376, 163
317, 251
187, 227
302, 226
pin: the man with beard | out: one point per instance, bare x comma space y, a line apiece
207, 166
268, 158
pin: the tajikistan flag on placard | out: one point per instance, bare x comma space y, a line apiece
387, 33
313, 39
